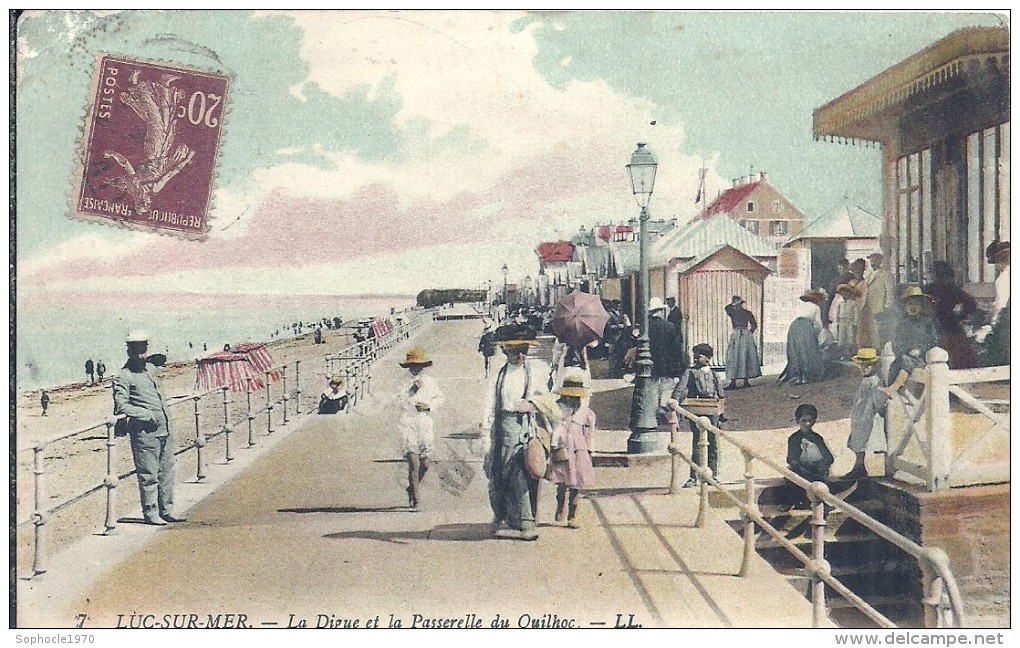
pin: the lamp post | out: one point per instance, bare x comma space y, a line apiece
643, 426
527, 291
505, 270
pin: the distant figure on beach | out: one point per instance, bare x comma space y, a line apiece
226, 348
417, 429
138, 395
44, 400
90, 369
100, 370
205, 347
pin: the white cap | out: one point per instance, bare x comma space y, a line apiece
655, 304
137, 336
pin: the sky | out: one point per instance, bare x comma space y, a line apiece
387, 152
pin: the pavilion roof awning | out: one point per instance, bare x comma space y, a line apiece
854, 115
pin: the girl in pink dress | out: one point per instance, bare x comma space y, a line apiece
573, 442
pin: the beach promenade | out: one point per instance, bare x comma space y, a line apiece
310, 528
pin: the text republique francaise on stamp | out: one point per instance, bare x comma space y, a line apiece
151, 142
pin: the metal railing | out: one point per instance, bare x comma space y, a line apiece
942, 599
288, 401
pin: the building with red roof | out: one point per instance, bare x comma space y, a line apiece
758, 206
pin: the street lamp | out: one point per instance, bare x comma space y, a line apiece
505, 270
527, 290
643, 426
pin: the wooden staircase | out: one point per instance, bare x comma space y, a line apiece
877, 571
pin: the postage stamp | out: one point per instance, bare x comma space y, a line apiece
150, 147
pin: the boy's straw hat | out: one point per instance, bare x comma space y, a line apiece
867, 355
336, 380
914, 291
416, 357
573, 386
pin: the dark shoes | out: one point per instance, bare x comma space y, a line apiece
173, 518
154, 521
691, 483
411, 501
731, 386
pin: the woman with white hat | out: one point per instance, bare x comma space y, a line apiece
334, 397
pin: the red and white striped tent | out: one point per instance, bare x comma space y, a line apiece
233, 368
381, 327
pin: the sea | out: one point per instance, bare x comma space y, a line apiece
56, 334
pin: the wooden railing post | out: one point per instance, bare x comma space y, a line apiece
674, 443
702, 427
251, 432
226, 426
269, 407
938, 420
745, 563
39, 519
286, 396
297, 387
819, 564
890, 420
110, 481
199, 443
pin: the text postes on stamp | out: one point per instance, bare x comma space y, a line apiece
150, 149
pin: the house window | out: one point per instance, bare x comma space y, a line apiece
751, 225
777, 207
750, 206
779, 228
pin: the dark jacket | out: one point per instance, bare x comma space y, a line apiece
664, 342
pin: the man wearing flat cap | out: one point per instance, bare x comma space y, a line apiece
138, 396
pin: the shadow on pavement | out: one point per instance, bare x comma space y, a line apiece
443, 532
345, 509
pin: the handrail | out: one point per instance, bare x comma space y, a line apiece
932, 561
225, 427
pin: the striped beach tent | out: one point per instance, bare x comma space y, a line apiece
226, 369
258, 355
381, 327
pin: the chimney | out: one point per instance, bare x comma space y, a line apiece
764, 176
736, 182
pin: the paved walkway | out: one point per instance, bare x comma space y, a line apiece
315, 530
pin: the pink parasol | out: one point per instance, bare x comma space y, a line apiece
579, 319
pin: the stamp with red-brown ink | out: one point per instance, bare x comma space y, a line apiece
151, 140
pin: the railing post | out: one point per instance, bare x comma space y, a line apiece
745, 564
269, 407
819, 564
251, 432
890, 420
199, 443
674, 444
39, 519
286, 396
110, 481
226, 426
297, 387
702, 427
938, 420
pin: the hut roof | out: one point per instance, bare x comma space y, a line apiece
848, 221
699, 237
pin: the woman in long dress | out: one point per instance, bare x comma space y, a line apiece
804, 363
742, 353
